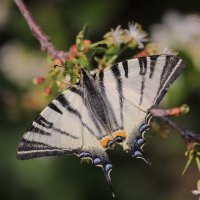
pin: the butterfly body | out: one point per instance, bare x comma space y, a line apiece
112, 107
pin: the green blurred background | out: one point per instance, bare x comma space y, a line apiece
172, 23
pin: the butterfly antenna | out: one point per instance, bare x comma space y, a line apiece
56, 66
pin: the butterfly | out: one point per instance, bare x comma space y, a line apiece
112, 106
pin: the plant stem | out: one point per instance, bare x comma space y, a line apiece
44, 40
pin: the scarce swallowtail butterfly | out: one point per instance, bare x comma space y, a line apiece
110, 107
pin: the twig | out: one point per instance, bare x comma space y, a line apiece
44, 40
187, 135
159, 112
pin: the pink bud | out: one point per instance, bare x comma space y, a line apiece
73, 49
86, 44
47, 91
38, 80
58, 62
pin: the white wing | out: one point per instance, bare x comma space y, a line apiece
132, 87
60, 128
57, 130
66, 126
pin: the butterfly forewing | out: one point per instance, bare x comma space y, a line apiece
57, 130
132, 87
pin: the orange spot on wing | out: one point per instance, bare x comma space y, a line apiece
120, 133
105, 141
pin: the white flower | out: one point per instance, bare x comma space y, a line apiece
4, 13
20, 65
176, 30
179, 32
67, 78
117, 35
197, 192
137, 34
167, 50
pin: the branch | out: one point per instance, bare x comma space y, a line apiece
44, 40
162, 114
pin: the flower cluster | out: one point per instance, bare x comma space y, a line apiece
103, 53
180, 32
134, 36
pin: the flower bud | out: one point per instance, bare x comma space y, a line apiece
58, 62
86, 44
73, 49
47, 91
38, 80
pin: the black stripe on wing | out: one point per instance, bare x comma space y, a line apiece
54, 107
34, 129
143, 65
143, 70
152, 65
66, 104
171, 63
142, 90
117, 76
64, 133
125, 66
76, 91
43, 122
32, 149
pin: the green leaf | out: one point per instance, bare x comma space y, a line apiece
198, 184
114, 50
82, 62
81, 35
97, 50
194, 153
96, 44
190, 158
198, 162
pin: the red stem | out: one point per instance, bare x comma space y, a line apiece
44, 40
